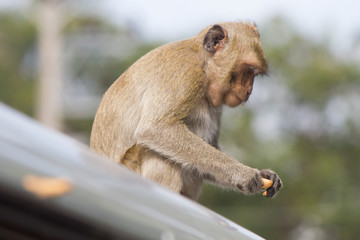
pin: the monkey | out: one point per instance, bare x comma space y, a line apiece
161, 118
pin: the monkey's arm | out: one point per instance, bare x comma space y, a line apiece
182, 146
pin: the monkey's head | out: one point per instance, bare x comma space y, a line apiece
233, 58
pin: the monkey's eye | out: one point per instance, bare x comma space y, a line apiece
250, 71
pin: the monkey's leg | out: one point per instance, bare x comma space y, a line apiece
192, 182
162, 171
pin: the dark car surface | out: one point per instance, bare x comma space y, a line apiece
103, 201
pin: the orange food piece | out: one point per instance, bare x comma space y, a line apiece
46, 187
267, 183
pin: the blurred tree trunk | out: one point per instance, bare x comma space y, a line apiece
49, 99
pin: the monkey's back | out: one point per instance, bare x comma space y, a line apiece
123, 105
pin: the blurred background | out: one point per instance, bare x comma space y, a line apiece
58, 57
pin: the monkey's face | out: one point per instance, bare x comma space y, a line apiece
237, 57
238, 87
241, 86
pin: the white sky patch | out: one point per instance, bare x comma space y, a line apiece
162, 20
173, 20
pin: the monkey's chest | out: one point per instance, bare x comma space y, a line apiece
204, 121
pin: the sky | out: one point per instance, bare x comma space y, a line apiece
164, 18
173, 20
168, 20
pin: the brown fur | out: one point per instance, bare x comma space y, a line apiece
161, 118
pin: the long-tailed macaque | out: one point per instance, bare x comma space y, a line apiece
161, 118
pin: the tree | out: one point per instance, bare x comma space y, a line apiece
17, 78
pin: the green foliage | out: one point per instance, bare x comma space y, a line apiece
17, 38
319, 167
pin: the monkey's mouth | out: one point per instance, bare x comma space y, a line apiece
239, 99
243, 99
233, 100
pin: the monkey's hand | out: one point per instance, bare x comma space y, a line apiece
277, 184
252, 182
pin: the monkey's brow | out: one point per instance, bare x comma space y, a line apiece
260, 55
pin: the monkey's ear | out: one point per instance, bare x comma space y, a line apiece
213, 38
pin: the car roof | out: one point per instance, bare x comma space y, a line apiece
104, 198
